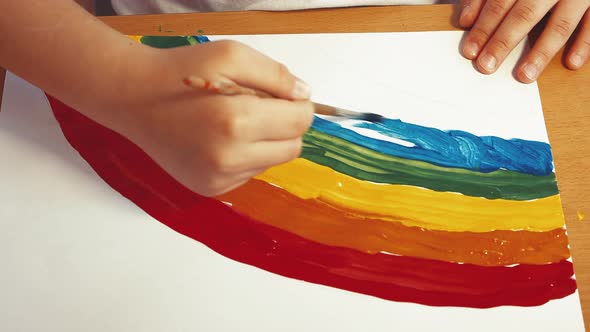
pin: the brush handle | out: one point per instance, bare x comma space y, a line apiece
232, 89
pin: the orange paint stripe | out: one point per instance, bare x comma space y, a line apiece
327, 225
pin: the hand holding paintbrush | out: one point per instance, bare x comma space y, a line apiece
229, 88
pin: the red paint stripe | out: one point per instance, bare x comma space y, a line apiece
131, 172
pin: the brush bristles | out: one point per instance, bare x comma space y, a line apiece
371, 117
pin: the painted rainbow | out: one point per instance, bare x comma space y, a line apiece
452, 219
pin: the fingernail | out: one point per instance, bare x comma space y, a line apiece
464, 12
301, 90
488, 62
530, 71
470, 50
577, 60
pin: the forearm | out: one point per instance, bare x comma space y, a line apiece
64, 50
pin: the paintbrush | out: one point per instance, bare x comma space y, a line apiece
229, 88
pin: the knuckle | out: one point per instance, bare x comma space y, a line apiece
480, 35
300, 125
498, 7
308, 116
232, 125
295, 149
217, 161
284, 76
222, 162
230, 50
525, 13
500, 45
562, 28
543, 56
229, 45
302, 122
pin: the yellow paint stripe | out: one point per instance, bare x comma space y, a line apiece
414, 206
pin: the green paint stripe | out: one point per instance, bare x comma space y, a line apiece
169, 41
369, 165
192, 40
165, 41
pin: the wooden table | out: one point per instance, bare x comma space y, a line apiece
565, 94
2, 74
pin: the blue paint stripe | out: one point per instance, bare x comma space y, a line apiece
453, 148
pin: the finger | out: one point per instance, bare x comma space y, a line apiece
489, 19
248, 67
267, 119
470, 10
283, 120
562, 23
227, 188
238, 181
518, 23
262, 155
580, 51
247, 175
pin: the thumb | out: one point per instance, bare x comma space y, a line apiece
252, 69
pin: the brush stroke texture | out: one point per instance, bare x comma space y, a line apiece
170, 41
413, 206
127, 169
453, 148
366, 164
319, 222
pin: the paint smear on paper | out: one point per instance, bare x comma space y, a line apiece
370, 165
453, 148
322, 223
450, 219
414, 206
399, 278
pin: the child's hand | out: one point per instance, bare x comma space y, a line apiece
499, 25
213, 143
210, 143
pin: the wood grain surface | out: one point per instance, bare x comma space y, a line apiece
2, 78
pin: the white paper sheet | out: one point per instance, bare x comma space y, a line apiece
79, 257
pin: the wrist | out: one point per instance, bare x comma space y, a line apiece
119, 91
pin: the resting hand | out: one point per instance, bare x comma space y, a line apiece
499, 25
